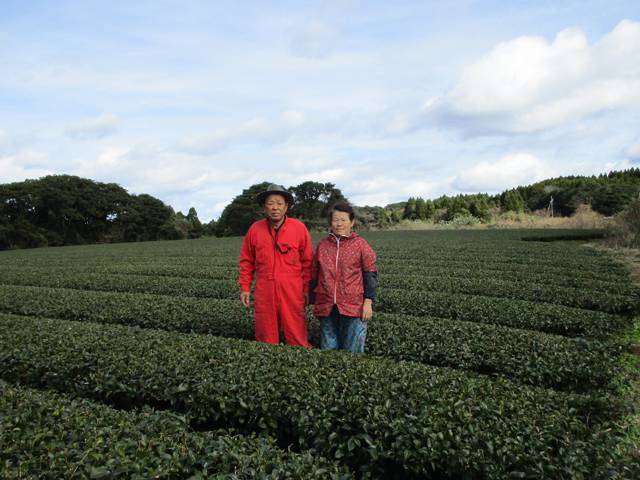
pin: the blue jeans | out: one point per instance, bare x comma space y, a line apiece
342, 332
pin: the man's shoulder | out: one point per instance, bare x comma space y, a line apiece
295, 223
257, 225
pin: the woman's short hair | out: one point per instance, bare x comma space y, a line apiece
341, 207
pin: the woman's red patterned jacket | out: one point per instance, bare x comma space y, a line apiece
338, 268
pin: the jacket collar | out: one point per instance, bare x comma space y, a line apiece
334, 238
281, 227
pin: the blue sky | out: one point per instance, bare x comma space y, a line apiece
194, 101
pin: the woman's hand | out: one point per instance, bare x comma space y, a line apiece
367, 310
245, 298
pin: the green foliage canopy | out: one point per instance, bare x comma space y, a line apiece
65, 209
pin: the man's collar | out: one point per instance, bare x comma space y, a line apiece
279, 226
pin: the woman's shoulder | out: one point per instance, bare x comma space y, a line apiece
363, 245
325, 241
360, 240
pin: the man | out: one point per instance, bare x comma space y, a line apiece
278, 250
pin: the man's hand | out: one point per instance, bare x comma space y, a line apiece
245, 298
367, 310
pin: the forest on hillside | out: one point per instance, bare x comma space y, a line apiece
65, 210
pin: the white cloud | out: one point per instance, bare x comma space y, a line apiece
92, 128
507, 172
317, 39
633, 152
19, 167
381, 190
111, 162
529, 84
146, 168
256, 131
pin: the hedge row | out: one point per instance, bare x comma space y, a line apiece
620, 286
222, 317
569, 364
544, 317
488, 246
565, 255
227, 288
503, 259
97, 261
47, 435
565, 280
495, 249
379, 417
157, 270
417, 265
525, 356
498, 287
176, 286
565, 237
217, 316
197, 286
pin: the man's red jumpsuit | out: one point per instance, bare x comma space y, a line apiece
281, 260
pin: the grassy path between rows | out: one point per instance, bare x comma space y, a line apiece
630, 363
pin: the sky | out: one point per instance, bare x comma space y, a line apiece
193, 101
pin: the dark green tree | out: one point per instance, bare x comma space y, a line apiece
334, 195
479, 208
512, 201
64, 209
209, 229
243, 210
430, 209
421, 209
310, 199
396, 216
410, 209
195, 226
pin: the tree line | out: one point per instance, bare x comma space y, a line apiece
312, 200
66, 210
608, 194
63, 209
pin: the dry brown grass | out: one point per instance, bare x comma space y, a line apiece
625, 229
584, 218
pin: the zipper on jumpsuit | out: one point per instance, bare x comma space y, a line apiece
273, 271
335, 287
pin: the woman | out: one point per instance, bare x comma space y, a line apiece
344, 280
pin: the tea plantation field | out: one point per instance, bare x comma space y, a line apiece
488, 357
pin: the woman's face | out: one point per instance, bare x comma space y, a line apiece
341, 224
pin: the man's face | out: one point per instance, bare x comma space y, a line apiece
275, 207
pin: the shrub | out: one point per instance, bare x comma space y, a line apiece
380, 417
47, 435
626, 228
